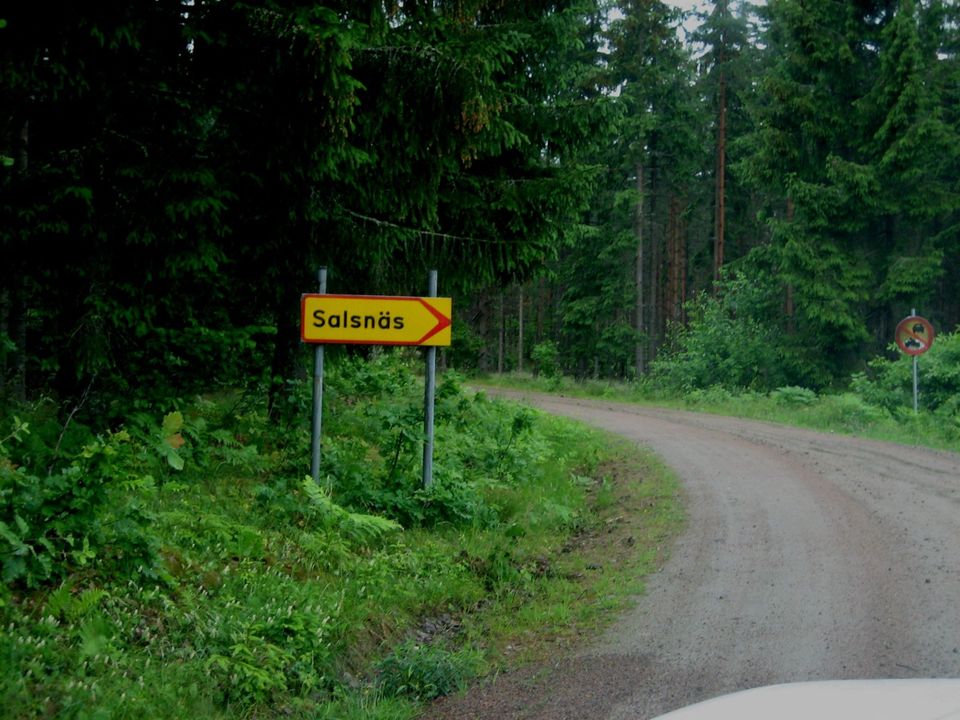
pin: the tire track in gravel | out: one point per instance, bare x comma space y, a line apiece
807, 556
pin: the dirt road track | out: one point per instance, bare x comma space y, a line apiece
807, 556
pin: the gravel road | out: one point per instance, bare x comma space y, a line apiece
807, 556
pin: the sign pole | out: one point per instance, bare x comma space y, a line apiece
317, 394
915, 385
429, 388
916, 379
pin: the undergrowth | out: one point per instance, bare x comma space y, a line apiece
182, 565
876, 403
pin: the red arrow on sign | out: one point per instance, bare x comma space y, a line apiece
443, 322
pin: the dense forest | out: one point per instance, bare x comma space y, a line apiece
777, 192
596, 186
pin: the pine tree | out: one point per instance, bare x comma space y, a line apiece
651, 69
726, 69
914, 152
216, 153
803, 156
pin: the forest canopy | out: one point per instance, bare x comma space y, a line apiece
173, 173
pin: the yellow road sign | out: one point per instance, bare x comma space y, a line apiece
375, 320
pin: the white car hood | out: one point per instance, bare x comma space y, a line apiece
834, 700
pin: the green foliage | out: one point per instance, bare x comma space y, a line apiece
361, 379
466, 347
428, 138
215, 534
713, 396
889, 383
375, 456
546, 355
276, 594
423, 131
849, 412
266, 580
253, 672
364, 530
369, 706
794, 395
87, 513
862, 161
425, 672
730, 341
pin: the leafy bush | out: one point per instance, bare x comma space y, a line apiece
253, 671
711, 395
281, 638
467, 347
729, 341
737, 337
365, 530
546, 355
384, 374
86, 513
425, 672
374, 461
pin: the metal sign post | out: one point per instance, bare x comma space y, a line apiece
916, 376
916, 385
429, 390
317, 395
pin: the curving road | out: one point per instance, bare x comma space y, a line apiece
807, 556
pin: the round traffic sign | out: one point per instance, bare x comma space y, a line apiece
914, 335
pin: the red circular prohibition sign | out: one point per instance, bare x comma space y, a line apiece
914, 335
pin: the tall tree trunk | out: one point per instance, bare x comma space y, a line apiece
483, 327
654, 326
541, 308
666, 297
23, 152
673, 253
788, 304
14, 310
284, 351
285, 365
639, 346
520, 329
682, 265
502, 334
17, 300
721, 194
5, 374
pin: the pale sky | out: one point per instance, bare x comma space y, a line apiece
684, 4
692, 22
702, 5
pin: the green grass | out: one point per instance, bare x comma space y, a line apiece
840, 412
578, 583
271, 598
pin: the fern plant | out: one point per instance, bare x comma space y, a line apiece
359, 528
